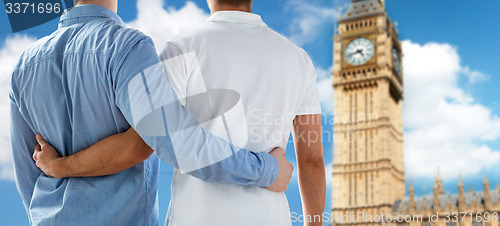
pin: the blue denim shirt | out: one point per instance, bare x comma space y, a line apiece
93, 78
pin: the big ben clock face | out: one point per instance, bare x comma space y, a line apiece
359, 51
396, 61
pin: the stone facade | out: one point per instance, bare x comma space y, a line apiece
462, 209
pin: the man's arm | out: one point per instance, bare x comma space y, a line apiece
108, 156
117, 153
23, 142
152, 108
310, 165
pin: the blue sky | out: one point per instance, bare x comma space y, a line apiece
464, 33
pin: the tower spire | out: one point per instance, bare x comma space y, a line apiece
485, 180
438, 176
460, 182
437, 191
438, 184
382, 2
411, 190
435, 200
487, 195
461, 195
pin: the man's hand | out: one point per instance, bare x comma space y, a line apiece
285, 173
46, 157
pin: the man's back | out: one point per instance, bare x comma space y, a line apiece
275, 81
62, 88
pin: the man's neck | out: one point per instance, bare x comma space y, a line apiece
110, 4
247, 9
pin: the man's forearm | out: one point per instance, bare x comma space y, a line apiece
312, 185
311, 166
109, 156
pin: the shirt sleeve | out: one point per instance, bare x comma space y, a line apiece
23, 145
177, 72
310, 103
152, 107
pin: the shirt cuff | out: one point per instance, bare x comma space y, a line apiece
269, 171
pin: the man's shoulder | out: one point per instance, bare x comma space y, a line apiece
111, 31
131, 34
182, 41
30, 54
211, 30
286, 42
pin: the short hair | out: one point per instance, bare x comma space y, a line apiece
235, 2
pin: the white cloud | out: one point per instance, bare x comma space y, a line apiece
325, 89
9, 56
328, 175
444, 125
474, 76
308, 20
163, 24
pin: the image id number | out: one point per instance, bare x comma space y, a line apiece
23, 8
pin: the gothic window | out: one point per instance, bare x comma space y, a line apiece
476, 223
372, 190
366, 189
350, 191
371, 104
366, 147
356, 148
356, 108
355, 191
366, 106
371, 143
350, 146
350, 108
350, 134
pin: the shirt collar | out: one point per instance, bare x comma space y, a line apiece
85, 13
236, 17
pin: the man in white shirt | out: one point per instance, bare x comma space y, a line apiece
275, 82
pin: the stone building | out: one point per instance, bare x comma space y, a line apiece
464, 209
368, 176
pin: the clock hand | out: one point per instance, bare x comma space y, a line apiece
350, 54
357, 51
360, 51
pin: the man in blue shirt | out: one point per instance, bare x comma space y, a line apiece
93, 78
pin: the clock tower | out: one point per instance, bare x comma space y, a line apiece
368, 163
